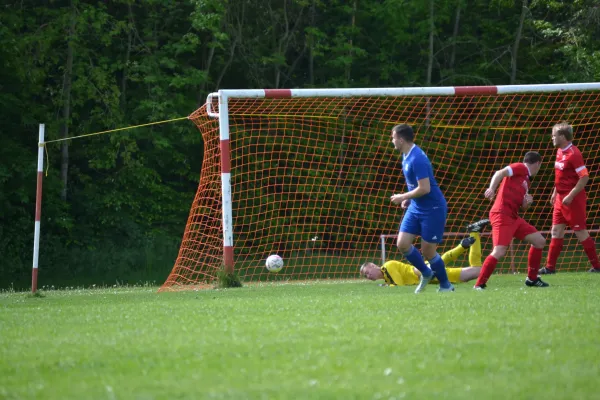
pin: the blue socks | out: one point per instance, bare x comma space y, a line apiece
439, 269
414, 257
437, 266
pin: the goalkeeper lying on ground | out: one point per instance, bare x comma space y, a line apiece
396, 273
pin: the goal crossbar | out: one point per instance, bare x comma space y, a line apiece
395, 92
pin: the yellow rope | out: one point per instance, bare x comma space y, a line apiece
112, 130
47, 159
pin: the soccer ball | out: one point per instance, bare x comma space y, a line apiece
274, 263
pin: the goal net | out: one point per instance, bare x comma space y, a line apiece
308, 174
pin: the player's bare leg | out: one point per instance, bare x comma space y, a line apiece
469, 273
404, 241
428, 249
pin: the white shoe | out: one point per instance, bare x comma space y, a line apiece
448, 289
423, 282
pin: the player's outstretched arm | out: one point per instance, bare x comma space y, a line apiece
496, 179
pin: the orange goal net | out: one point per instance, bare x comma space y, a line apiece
308, 173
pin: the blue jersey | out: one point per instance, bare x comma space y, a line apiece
416, 166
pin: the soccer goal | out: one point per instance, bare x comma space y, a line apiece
308, 173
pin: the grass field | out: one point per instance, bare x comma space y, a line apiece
343, 340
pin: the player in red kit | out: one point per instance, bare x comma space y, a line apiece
569, 198
514, 181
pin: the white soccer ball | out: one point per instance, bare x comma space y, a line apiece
274, 263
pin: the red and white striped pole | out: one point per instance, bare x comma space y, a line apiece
226, 184
38, 210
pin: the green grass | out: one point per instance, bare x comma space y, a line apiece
342, 340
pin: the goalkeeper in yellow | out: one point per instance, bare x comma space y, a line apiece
396, 273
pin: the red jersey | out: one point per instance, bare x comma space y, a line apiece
512, 190
569, 167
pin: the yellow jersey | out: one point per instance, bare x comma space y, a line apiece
396, 273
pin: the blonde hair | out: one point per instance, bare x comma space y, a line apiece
564, 129
364, 267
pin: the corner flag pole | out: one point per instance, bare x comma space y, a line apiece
38, 209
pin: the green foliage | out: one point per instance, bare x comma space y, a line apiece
141, 61
128, 193
571, 31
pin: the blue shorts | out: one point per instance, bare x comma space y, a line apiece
429, 225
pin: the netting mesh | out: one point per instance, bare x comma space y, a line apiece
312, 177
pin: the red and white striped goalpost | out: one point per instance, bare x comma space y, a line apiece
38, 209
223, 116
226, 184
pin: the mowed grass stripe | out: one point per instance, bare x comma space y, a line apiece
307, 340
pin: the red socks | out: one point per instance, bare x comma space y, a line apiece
589, 246
533, 263
488, 267
556, 246
535, 258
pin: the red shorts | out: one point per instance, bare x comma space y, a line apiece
505, 228
573, 215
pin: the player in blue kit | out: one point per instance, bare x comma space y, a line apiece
426, 211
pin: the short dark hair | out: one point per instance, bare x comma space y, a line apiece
564, 129
405, 132
532, 157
